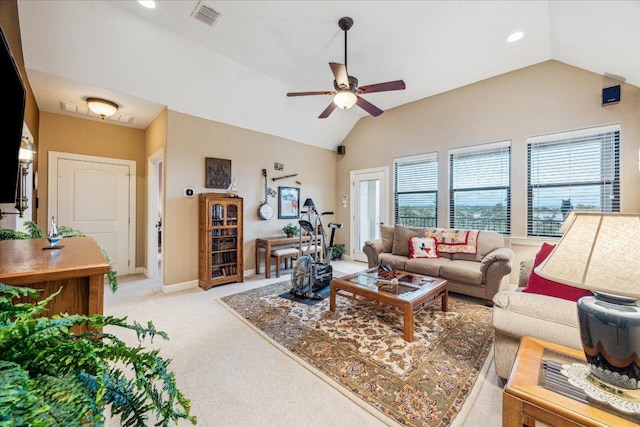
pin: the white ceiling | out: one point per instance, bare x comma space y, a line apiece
239, 71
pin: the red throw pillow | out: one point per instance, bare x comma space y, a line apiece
542, 286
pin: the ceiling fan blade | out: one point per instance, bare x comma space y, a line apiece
328, 110
382, 87
340, 74
368, 107
321, 92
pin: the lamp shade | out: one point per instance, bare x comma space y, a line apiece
599, 252
345, 99
102, 107
309, 203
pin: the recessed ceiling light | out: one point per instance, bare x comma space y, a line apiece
149, 4
515, 36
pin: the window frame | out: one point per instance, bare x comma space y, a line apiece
611, 134
500, 148
430, 160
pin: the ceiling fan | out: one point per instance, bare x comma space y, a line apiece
347, 93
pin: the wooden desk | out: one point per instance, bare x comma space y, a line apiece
269, 243
78, 268
525, 400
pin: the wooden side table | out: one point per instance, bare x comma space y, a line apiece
529, 397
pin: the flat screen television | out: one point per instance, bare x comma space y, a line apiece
13, 95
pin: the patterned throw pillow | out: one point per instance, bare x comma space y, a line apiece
423, 247
454, 241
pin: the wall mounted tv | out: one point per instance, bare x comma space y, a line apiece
13, 95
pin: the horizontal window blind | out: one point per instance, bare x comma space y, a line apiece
577, 170
416, 190
479, 187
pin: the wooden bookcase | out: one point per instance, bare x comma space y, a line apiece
220, 240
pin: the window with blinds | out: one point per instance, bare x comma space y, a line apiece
578, 170
480, 187
416, 190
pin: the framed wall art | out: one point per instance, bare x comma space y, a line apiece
217, 173
288, 202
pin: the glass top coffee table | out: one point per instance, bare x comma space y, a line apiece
411, 294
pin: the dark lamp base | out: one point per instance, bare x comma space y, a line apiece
610, 335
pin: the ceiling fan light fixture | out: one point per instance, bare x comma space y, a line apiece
345, 99
102, 107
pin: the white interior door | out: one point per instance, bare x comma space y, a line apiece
94, 197
369, 207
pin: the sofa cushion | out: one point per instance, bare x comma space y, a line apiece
426, 266
401, 236
423, 247
542, 286
462, 271
386, 236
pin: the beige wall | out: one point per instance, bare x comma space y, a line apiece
79, 136
189, 141
544, 98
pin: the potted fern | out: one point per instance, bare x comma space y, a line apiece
52, 376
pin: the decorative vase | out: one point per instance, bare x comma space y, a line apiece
610, 335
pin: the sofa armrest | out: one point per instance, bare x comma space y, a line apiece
517, 314
494, 266
372, 248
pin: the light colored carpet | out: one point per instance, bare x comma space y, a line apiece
234, 377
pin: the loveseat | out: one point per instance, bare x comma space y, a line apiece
473, 262
517, 313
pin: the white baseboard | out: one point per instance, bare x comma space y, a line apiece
167, 289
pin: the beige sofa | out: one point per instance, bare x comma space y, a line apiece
478, 275
516, 314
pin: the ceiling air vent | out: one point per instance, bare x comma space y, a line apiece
204, 13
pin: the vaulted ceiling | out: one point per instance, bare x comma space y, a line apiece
238, 70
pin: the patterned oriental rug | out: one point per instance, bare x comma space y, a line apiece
422, 383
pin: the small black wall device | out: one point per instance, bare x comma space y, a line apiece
342, 149
611, 95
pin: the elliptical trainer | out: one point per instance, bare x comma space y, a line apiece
313, 270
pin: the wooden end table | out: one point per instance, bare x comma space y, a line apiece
410, 295
532, 395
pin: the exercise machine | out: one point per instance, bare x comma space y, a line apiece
313, 270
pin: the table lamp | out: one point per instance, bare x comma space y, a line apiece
601, 252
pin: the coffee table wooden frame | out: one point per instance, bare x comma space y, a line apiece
525, 401
405, 305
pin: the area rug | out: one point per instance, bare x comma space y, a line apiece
422, 383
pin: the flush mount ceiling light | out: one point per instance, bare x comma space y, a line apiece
149, 4
515, 36
102, 107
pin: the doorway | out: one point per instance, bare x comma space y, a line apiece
369, 209
155, 213
96, 195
